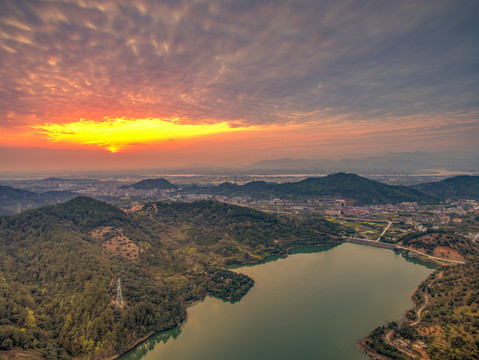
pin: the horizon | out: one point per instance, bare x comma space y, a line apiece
257, 170
93, 86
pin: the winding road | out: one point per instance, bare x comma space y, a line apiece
419, 311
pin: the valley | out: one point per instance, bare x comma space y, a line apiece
60, 264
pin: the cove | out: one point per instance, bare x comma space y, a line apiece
307, 306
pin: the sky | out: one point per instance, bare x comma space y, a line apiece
113, 84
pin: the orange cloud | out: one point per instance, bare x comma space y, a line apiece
115, 135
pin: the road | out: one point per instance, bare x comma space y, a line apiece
419, 312
384, 231
384, 245
430, 256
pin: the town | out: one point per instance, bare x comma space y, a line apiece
365, 221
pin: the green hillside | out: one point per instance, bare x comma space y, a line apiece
458, 187
447, 326
12, 200
431, 240
59, 267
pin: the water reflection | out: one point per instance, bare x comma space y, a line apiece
311, 249
140, 350
415, 260
273, 258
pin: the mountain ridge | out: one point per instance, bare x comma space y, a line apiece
341, 184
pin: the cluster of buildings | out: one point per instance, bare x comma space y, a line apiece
125, 192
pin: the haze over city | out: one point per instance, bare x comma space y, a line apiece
91, 85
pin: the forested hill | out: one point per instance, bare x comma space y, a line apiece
59, 267
457, 187
151, 184
444, 324
12, 200
350, 186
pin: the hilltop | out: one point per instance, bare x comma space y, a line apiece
60, 265
457, 187
151, 184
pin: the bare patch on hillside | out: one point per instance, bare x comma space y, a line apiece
446, 252
134, 209
114, 242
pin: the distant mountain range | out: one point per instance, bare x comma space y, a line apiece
344, 185
349, 186
453, 161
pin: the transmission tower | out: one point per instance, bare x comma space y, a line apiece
119, 296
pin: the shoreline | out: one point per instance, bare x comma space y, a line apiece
143, 339
113, 357
268, 258
360, 344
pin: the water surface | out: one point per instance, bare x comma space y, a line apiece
307, 306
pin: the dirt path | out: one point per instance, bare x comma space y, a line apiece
426, 299
419, 312
384, 231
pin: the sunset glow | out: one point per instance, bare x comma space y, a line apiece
115, 135
153, 84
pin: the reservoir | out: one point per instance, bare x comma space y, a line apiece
308, 306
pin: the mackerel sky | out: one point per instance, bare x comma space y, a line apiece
296, 78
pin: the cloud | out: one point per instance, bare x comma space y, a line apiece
240, 62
